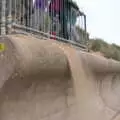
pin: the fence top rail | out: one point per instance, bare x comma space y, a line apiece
26, 30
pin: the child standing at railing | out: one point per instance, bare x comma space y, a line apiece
58, 8
54, 13
39, 17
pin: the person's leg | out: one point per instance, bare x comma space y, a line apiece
52, 17
44, 21
76, 37
35, 19
63, 22
69, 31
28, 4
47, 23
58, 25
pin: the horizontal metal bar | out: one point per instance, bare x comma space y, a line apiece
47, 35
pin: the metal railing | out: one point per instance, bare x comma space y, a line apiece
46, 18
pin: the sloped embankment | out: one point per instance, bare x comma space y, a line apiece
48, 80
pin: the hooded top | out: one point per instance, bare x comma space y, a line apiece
41, 4
58, 5
55, 5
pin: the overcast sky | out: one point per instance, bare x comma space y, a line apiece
103, 18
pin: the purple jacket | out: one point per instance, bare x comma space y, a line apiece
41, 4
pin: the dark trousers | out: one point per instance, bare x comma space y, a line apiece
63, 22
28, 5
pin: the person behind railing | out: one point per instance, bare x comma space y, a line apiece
54, 13
73, 13
57, 8
63, 19
26, 5
39, 16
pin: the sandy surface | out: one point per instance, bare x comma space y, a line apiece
47, 80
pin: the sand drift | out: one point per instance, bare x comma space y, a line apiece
49, 80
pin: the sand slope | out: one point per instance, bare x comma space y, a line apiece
48, 80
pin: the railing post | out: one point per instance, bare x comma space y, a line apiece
85, 28
3, 17
85, 23
9, 16
86, 36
